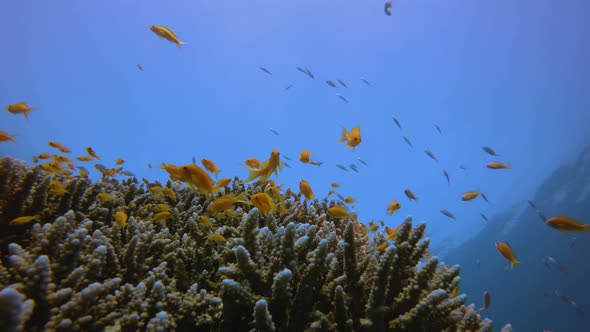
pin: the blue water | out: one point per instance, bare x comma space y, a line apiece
513, 75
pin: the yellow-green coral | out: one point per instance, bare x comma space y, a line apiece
77, 270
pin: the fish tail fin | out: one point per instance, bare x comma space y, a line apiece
179, 44
344, 135
514, 262
587, 228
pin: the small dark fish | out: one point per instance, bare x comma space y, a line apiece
396, 122
332, 84
342, 83
194, 160
362, 161
287, 157
309, 73
341, 197
100, 167
342, 167
301, 70
431, 155
274, 131
446, 174
287, 165
485, 198
288, 87
127, 173
265, 70
387, 8
551, 263
365, 81
448, 214
538, 211
486, 301
140, 67
490, 151
438, 128
463, 167
82, 168
316, 162
354, 168
484, 217
342, 97
408, 141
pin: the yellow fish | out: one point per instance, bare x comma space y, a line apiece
210, 166
217, 238
392, 207
120, 218
470, 195
506, 251
196, 176
166, 33
263, 202
4, 137
339, 212
22, 220
58, 146
120, 161
161, 216
226, 202
104, 197
567, 224
56, 188
305, 189
352, 137
498, 165
223, 182
304, 156
266, 168
92, 153
20, 108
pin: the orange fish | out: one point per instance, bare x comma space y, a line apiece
166, 33
498, 165
4, 137
304, 156
161, 216
210, 166
22, 220
470, 195
223, 182
349, 200
263, 202
267, 168
305, 189
20, 108
174, 171
392, 233
335, 185
196, 176
253, 162
92, 153
567, 224
392, 207
120, 161
226, 202
506, 251
84, 158
352, 137
58, 146
339, 212
410, 195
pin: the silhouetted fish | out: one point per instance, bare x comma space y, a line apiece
342, 97
365, 81
342, 167
265, 70
438, 128
490, 151
446, 174
407, 141
288, 87
387, 8
396, 122
140, 67
274, 131
484, 217
362, 161
354, 168
448, 214
485, 198
342, 83
431, 155
316, 162
309, 73
332, 84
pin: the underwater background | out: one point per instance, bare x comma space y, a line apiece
512, 75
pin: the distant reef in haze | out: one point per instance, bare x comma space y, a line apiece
526, 296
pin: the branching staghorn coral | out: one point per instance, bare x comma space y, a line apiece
292, 271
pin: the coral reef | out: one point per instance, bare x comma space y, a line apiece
75, 269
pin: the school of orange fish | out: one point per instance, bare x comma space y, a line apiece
198, 178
